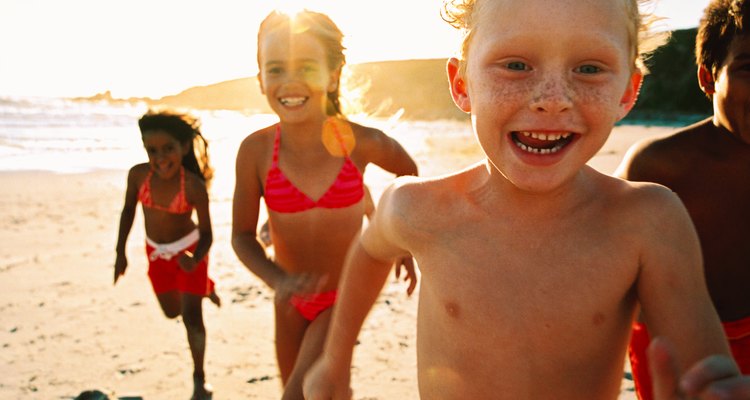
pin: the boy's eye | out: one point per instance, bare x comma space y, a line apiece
307, 69
589, 69
517, 66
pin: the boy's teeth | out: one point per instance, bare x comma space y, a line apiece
544, 136
292, 101
550, 137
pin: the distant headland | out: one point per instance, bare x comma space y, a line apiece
418, 89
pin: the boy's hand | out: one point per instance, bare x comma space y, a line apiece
411, 275
714, 377
187, 262
121, 264
322, 383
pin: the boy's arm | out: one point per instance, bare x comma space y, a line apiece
126, 223
367, 267
671, 288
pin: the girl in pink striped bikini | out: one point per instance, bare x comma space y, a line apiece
309, 169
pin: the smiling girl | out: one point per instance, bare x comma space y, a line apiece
309, 170
170, 186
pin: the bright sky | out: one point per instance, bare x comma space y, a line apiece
159, 47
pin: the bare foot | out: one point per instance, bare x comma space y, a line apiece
215, 298
201, 389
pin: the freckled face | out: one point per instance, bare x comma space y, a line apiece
294, 74
731, 97
546, 83
164, 153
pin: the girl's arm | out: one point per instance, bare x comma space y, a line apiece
126, 223
245, 209
385, 152
198, 196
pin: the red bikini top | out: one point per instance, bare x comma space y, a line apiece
179, 204
282, 196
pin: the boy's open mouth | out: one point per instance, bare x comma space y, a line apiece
541, 143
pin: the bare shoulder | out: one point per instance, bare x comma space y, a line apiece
364, 132
421, 201
655, 159
636, 202
194, 183
369, 138
138, 173
258, 142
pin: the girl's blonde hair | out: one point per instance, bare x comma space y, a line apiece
462, 15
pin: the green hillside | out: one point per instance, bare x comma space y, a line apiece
419, 89
671, 89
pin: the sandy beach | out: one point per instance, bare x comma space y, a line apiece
65, 328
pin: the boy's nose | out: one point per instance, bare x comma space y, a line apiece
552, 95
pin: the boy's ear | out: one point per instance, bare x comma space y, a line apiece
459, 92
631, 94
706, 81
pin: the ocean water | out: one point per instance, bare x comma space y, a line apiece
66, 136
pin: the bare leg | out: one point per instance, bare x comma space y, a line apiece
310, 350
290, 330
192, 316
171, 303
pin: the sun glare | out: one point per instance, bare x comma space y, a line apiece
291, 7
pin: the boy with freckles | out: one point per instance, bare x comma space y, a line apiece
532, 262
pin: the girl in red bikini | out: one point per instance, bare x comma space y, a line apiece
308, 169
170, 186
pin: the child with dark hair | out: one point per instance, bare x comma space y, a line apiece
170, 186
706, 164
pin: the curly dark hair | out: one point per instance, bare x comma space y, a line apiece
185, 129
722, 21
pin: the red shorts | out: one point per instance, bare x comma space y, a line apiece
738, 333
309, 306
166, 275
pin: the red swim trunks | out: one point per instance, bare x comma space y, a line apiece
738, 333
310, 305
165, 273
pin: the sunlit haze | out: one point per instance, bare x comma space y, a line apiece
159, 47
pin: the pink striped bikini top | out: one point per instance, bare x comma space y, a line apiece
282, 196
179, 204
